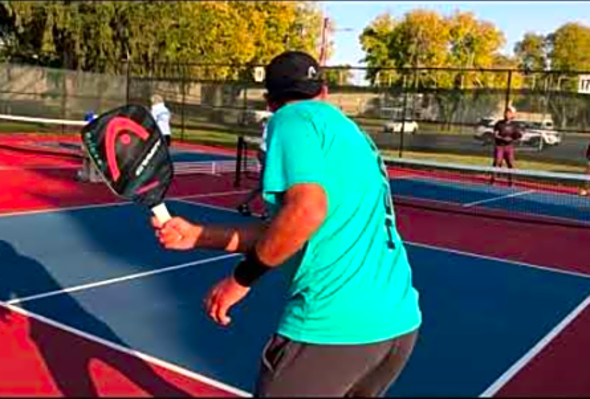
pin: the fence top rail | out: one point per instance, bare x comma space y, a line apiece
386, 68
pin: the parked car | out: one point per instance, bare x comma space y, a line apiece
537, 134
395, 126
484, 130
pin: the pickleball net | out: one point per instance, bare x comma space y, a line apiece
60, 137
41, 135
538, 197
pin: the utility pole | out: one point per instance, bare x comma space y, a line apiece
324, 41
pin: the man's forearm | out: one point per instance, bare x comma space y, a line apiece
229, 238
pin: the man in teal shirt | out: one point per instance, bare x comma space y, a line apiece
352, 317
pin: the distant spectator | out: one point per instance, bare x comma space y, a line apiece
162, 116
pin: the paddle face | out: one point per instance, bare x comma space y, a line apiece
129, 151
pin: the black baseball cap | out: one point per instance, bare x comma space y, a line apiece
293, 73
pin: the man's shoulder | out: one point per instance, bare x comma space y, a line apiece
305, 109
500, 123
300, 112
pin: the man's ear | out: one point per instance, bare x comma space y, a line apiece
271, 106
324, 92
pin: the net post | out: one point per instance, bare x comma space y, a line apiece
182, 107
240, 147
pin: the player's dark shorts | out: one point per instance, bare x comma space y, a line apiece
168, 139
504, 152
291, 368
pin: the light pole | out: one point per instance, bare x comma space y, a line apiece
324, 39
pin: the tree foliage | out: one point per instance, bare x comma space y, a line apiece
100, 35
531, 52
569, 47
340, 76
425, 38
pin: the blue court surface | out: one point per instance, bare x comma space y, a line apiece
568, 206
480, 315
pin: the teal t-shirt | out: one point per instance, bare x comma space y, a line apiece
352, 282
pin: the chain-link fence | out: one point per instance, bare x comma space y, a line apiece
30, 90
425, 110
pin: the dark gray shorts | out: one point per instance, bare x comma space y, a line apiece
291, 368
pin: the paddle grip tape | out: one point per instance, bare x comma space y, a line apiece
161, 213
250, 269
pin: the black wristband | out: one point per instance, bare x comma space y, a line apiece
250, 269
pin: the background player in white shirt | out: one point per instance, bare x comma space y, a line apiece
162, 116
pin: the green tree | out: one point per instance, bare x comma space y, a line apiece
340, 76
419, 40
531, 52
569, 47
98, 35
375, 41
426, 39
569, 50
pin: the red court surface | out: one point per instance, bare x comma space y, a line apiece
556, 366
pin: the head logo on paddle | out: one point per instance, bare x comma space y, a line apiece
129, 151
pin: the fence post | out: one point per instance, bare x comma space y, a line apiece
239, 161
64, 97
401, 137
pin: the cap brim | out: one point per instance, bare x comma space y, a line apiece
310, 87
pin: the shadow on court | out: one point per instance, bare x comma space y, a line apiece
68, 357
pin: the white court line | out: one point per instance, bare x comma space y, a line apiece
119, 348
63, 209
549, 218
118, 203
402, 177
518, 194
444, 249
221, 208
217, 207
535, 350
116, 280
495, 259
45, 167
212, 195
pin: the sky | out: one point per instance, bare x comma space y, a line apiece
514, 18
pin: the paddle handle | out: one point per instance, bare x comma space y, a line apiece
161, 212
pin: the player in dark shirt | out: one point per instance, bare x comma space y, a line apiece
506, 133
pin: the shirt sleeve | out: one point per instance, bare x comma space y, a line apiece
517, 132
294, 153
164, 116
